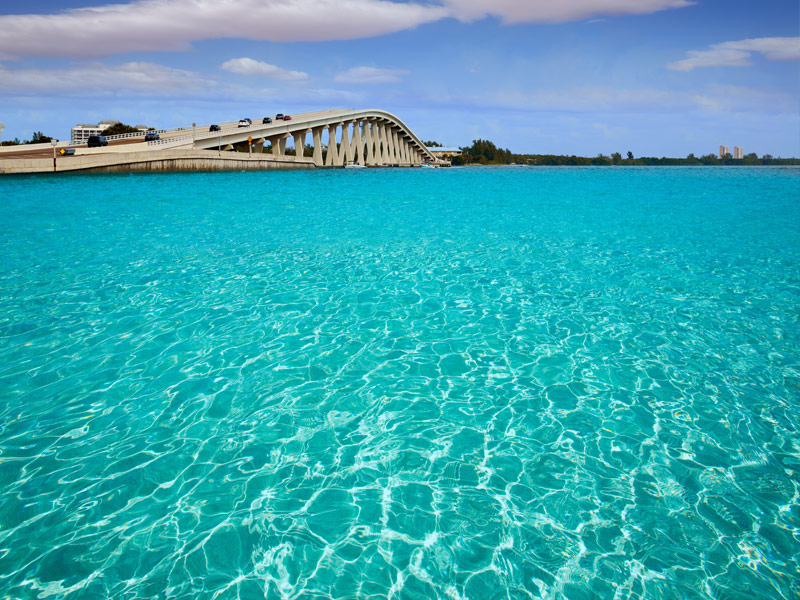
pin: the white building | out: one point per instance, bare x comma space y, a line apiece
80, 133
445, 152
738, 152
723, 150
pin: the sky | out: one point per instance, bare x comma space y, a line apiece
653, 77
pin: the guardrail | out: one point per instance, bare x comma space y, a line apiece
204, 135
122, 136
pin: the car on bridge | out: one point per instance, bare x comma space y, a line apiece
266, 121
96, 141
215, 128
245, 122
287, 118
151, 136
279, 117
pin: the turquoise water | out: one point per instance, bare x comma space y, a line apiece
456, 384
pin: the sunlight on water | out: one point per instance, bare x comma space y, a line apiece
456, 384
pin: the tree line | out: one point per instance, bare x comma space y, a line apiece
484, 152
37, 138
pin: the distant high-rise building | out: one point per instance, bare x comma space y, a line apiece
723, 150
738, 152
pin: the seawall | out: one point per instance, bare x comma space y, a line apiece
155, 161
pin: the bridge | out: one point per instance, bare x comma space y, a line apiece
339, 137
366, 137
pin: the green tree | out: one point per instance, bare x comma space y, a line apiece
630, 155
485, 152
616, 158
432, 144
119, 129
39, 138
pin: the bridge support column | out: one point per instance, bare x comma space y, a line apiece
382, 144
317, 134
387, 128
332, 156
403, 151
341, 152
278, 145
396, 147
379, 143
390, 145
299, 143
369, 131
359, 143
258, 146
347, 147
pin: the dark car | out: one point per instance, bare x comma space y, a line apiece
279, 117
151, 136
215, 128
95, 141
266, 121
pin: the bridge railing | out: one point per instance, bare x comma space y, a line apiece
201, 136
122, 136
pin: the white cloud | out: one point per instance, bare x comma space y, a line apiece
738, 54
156, 25
97, 78
370, 75
257, 68
152, 81
555, 11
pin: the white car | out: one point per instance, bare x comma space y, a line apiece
245, 122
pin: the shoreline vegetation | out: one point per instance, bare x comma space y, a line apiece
484, 152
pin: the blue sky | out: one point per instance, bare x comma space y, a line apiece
656, 77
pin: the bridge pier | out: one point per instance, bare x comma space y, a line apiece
347, 147
299, 143
341, 151
359, 144
278, 144
330, 157
370, 143
317, 135
380, 146
384, 144
403, 159
387, 144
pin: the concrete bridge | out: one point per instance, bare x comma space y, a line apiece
371, 138
366, 137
